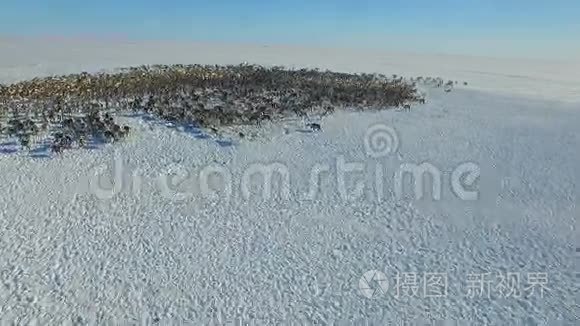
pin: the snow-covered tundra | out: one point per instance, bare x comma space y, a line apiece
462, 209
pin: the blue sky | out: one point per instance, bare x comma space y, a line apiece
530, 28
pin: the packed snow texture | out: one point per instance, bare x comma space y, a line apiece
166, 247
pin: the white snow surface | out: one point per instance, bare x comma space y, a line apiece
150, 255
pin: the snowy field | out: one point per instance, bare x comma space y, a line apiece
171, 227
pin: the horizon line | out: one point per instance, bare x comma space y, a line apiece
126, 39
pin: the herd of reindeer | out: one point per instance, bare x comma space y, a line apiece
72, 111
